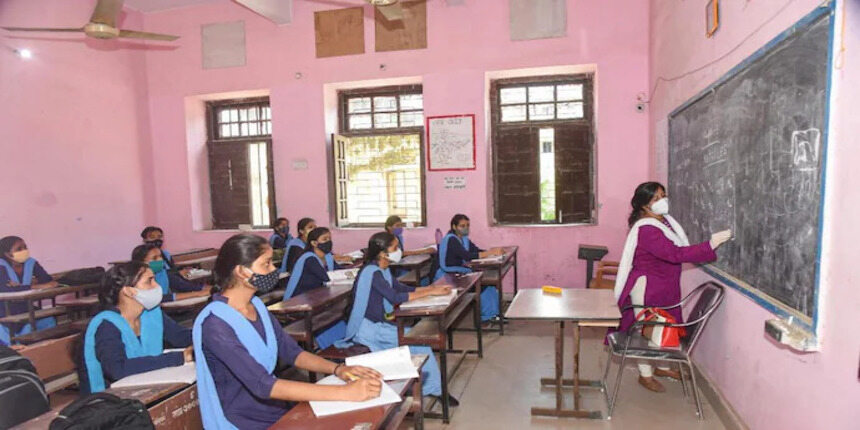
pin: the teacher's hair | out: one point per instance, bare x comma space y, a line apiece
238, 250
641, 197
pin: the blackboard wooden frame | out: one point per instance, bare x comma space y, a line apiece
771, 304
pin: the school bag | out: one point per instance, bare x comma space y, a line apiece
660, 335
103, 411
89, 275
22, 394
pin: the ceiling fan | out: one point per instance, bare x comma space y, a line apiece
102, 25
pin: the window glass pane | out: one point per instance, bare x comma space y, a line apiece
570, 110
360, 122
224, 116
259, 178
541, 94
267, 127
512, 95
385, 104
225, 130
513, 113
243, 114
384, 120
412, 119
569, 92
234, 129
411, 101
358, 105
267, 113
243, 129
252, 114
546, 140
253, 129
541, 112
234, 115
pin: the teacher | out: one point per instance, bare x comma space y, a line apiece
650, 269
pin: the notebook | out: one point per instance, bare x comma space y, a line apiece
394, 363
496, 259
342, 276
430, 301
185, 374
387, 396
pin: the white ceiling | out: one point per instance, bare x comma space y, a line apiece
159, 5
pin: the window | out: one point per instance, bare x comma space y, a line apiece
241, 176
542, 150
378, 157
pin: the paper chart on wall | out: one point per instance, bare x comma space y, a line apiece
451, 142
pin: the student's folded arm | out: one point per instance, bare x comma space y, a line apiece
401, 287
288, 349
381, 286
315, 269
176, 335
110, 352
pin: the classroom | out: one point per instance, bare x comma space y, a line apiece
440, 214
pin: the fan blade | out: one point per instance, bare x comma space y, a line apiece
76, 30
392, 12
130, 34
106, 12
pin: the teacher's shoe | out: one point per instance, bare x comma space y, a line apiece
652, 384
668, 373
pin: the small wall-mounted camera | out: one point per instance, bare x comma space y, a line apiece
640, 107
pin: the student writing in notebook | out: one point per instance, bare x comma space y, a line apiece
374, 295
173, 285
21, 272
310, 272
456, 249
281, 235
129, 335
238, 344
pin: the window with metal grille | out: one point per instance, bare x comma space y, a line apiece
241, 175
378, 168
543, 156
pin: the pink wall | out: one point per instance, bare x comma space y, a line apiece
74, 137
772, 387
465, 43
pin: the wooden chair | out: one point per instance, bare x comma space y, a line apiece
605, 276
54, 361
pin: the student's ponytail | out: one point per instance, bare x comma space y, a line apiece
238, 250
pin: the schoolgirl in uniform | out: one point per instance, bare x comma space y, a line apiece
21, 272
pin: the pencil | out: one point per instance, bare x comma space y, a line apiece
351, 376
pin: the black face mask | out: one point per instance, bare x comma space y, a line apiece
157, 242
326, 247
265, 283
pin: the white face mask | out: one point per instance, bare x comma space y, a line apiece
148, 298
660, 207
395, 256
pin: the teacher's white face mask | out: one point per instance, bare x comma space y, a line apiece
660, 207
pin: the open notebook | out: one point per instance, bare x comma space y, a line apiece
496, 259
342, 277
185, 374
394, 363
387, 396
430, 301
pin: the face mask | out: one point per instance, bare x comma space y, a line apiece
398, 231
21, 256
148, 298
660, 207
265, 283
395, 256
156, 265
464, 231
325, 247
157, 242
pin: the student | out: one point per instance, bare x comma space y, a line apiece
310, 272
650, 270
20, 272
394, 225
296, 246
373, 298
173, 285
281, 235
455, 250
155, 236
128, 336
238, 344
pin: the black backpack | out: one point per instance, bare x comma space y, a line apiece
103, 411
89, 275
22, 394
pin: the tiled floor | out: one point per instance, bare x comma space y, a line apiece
498, 391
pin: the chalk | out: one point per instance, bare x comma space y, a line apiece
551, 290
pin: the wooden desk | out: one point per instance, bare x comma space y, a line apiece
436, 327
31, 297
414, 264
192, 304
580, 307
501, 267
380, 417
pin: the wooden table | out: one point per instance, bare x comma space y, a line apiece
436, 326
380, 417
191, 304
502, 267
32, 296
414, 264
581, 307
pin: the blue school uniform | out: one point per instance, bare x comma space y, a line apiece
32, 271
375, 295
295, 249
112, 351
453, 254
236, 359
276, 241
172, 283
308, 274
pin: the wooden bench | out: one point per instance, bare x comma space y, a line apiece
54, 361
23, 318
298, 330
334, 353
80, 307
61, 330
410, 279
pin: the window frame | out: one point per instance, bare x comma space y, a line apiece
213, 107
497, 127
343, 130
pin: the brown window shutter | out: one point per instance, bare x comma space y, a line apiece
229, 184
517, 175
341, 184
574, 173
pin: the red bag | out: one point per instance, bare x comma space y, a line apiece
660, 335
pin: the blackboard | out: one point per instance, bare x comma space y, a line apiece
748, 154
